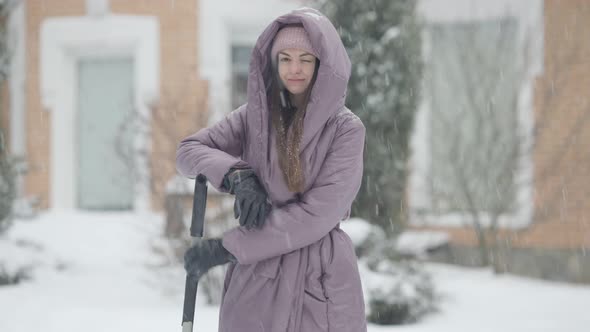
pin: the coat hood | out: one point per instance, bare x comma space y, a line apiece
329, 91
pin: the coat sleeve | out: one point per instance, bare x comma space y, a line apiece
214, 150
320, 209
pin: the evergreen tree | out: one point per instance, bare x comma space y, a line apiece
7, 186
7, 171
382, 38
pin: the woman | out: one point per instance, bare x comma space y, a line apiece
293, 156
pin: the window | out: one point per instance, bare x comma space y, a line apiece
240, 61
472, 81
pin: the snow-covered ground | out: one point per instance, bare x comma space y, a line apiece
99, 272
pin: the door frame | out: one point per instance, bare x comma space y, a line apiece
64, 41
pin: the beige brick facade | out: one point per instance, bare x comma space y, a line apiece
562, 153
180, 110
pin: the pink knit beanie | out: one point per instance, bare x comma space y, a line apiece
291, 37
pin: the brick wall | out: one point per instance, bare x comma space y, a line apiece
183, 95
38, 120
562, 111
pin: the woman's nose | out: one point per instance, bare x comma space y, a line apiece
295, 67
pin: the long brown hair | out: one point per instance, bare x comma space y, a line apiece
287, 121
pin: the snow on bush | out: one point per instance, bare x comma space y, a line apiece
419, 243
20, 257
7, 186
397, 288
365, 236
397, 292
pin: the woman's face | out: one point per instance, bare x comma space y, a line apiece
296, 68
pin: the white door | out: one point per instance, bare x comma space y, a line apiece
105, 101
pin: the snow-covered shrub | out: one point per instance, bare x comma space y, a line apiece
18, 259
419, 244
397, 288
7, 186
8, 277
397, 292
364, 235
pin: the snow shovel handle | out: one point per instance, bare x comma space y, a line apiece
197, 226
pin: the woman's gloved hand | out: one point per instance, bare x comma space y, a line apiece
251, 204
204, 255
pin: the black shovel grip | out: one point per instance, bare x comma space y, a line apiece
199, 205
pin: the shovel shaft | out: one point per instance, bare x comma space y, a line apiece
196, 230
190, 297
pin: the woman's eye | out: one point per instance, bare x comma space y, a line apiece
285, 59
308, 61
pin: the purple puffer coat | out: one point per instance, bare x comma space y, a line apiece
299, 272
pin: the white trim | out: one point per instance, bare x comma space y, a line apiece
64, 41
529, 14
17, 41
97, 8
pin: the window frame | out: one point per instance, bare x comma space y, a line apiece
421, 211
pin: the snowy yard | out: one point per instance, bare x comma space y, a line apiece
97, 272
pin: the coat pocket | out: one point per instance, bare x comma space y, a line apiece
315, 308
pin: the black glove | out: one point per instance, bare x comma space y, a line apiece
251, 204
204, 255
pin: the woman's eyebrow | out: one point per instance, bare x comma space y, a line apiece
300, 55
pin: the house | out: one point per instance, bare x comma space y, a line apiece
101, 92
532, 57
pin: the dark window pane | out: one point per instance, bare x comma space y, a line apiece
240, 63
